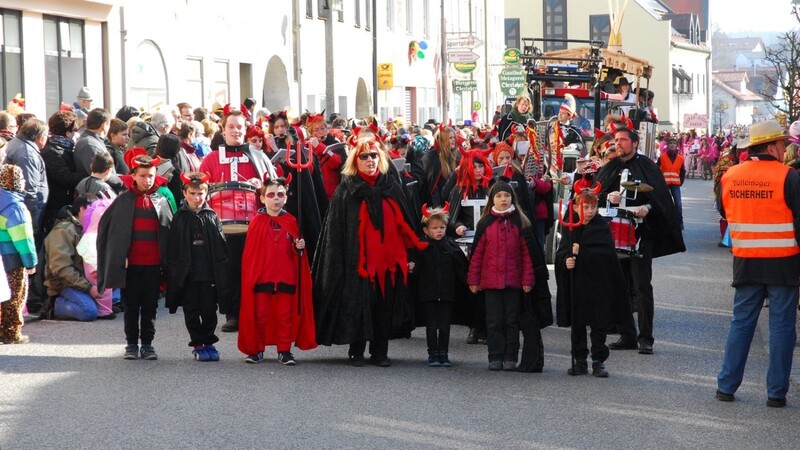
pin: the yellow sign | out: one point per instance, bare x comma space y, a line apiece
385, 76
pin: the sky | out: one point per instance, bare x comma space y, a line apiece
747, 15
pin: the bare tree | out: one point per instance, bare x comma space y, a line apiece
720, 115
784, 57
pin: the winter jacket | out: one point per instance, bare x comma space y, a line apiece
144, 135
62, 173
118, 153
26, 155
499, 259
16, 232
88, 145
440, 269
64, 265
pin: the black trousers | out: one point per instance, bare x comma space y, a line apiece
381, 309
502, 323
438, 316
199, 299
235, 250
140, 297
579, 350
639, 273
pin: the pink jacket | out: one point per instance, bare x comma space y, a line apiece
501, 258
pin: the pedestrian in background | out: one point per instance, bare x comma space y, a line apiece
760, 198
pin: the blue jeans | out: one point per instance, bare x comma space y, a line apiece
676, 197
75, 304
747, 303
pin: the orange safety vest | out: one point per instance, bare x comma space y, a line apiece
671, 169
760, 222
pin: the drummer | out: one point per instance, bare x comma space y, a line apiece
659, 234
235, 161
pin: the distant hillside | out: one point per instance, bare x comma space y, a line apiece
769, 37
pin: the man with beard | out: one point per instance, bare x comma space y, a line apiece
658, 234
234, 161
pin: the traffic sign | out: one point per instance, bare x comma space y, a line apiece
385, 76
463, 56
512, 81
465, 85
462, 43
465, 67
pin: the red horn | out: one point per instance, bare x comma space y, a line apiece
185, 179
463, 151
598, 133
155, 161
597, 188
425, 212
288, 180
446, 207
205, 177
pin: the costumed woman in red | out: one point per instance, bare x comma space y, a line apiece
276, 306
361, 266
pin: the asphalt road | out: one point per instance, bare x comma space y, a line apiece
70, 387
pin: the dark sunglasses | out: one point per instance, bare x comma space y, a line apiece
365, 156
273, 194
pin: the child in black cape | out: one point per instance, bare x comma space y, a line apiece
441, 280
591, 286
197, 266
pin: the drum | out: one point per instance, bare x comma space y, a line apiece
236, 204
623, 229
465, 243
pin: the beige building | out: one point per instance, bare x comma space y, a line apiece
299, 54
672, 44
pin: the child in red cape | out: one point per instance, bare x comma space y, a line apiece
276, 306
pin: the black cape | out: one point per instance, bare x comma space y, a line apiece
661, 224
341, 297
595, 292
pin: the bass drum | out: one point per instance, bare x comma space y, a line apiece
236, 204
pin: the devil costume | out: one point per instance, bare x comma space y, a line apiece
361, 267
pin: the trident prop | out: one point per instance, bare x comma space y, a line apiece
299, 166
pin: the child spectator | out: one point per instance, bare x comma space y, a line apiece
197, 266
501, 265
131, 241
276, 306
102, 167
591, 286
18, 252
441, 275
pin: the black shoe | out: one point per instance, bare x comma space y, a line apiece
357, 360
723, 397
117, 308
111, 316
286, 358
578, 368
444, 360
773, 402
231, 325
623, 344
380, 361
472, 337
599, 370
646, 348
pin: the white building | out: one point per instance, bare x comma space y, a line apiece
304, 55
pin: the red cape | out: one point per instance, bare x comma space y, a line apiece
253, 266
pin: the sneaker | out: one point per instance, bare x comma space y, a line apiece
213, 353
510, 366
131, 352
495, 365
111, 316
201, 353
286, 358
445, 361
433, 361
723, 397
254, 359
148, 353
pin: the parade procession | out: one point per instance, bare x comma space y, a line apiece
612, 225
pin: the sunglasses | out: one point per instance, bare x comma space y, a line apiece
365, 156
273, 194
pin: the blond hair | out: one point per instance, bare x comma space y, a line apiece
364, 145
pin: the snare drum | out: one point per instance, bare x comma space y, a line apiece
465, 243
623, 229
236, 204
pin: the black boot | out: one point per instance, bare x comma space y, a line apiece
578, 368
599, 370
472, 337
231, 325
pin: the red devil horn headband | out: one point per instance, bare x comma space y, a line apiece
279, 180
198, 177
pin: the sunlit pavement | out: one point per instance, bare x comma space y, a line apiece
70, 388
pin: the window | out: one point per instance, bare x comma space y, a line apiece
555, 24
409, 16
390, 15
10, 56
64, 65
512, 33
309, 8
368, 16
599, 28
426, 23
194, 81
357, 10
221, 82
